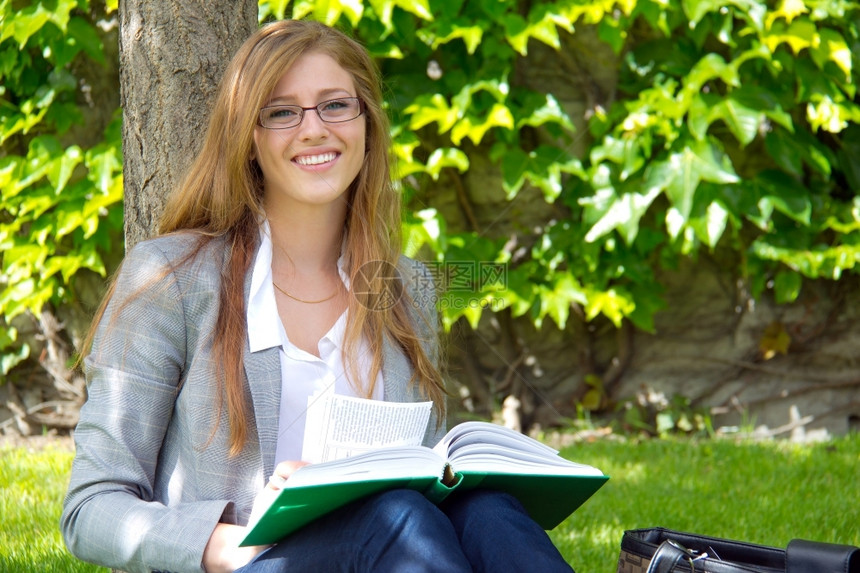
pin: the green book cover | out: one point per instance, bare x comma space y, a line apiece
472, 455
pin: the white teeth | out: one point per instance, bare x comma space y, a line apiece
315, 159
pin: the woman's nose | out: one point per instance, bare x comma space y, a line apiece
312, 125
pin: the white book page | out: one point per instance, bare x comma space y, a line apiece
342, 426
484, 447
384, 463
496, 459
486, 433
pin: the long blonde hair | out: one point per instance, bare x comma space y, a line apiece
221, 196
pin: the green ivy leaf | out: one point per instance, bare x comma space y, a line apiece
682, 172
544, 29
547, 111
86, 38
710, 227
610, 31
542, 25
498, 89
8, 335
61, 168
427, 109
742, 121
329, 11
10, 171
420, 8
425, 227
544, 168
711, 66
446, 157
697, 9
832, 47
448, 31
648, 303
829, 115
69, 216
25, 295
514, 165
516, 32
521, 292
25, 23
624, 214
627, 152
786, 194
402, 149
32, 204
827, 262
475, 128
792, 152
456, 304
555, 301
384, 10
613, 303
786, 286
102, 162
848, 158
788, 10
276, 8
799, 35
8, 360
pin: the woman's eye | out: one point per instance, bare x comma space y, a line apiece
335, 105
282, 113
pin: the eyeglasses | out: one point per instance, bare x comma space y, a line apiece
330, 111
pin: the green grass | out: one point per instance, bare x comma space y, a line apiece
760, 492
766, 493
32, 485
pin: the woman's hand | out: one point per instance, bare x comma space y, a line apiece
222, 553
282, 473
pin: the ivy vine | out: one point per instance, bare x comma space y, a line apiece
60, 205
734, 126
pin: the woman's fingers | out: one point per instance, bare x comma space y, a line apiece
282, 472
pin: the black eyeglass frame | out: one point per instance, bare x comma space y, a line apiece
301, 110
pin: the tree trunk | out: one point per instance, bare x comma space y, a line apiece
172, 55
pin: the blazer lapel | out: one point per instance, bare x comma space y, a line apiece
263, 374
396, 372
263, 370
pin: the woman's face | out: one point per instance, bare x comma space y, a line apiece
315, 162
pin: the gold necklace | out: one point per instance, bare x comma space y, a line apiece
305, 301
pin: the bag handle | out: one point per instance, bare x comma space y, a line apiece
668, 555
803, 556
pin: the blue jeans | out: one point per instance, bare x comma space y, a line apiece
402, 532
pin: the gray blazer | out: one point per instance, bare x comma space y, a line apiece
152, 475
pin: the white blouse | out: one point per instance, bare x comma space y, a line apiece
303, 375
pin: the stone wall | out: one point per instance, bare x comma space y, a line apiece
705, 347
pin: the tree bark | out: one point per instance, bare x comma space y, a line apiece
172, 55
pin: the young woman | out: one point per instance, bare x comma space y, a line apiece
214, 334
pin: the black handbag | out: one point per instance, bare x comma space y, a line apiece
660, 550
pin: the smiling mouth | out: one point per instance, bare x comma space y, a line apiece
315, 159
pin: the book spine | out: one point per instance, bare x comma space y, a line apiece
438, 491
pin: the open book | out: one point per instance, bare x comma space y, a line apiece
471, 455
